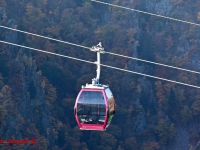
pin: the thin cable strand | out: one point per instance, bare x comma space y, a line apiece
144, 12
100, 64
154, 63
45, 37
105, 51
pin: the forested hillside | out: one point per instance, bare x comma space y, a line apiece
38, 90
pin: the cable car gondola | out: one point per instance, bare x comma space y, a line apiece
95, 104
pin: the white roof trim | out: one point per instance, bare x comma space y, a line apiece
98, 86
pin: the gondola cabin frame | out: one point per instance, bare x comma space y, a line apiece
91, 110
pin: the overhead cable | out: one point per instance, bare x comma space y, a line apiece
101, 64
144, 12
154, 63
105, 51
45, 37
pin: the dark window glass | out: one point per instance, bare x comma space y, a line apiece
91, 108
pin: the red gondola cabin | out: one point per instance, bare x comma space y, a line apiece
94, 107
